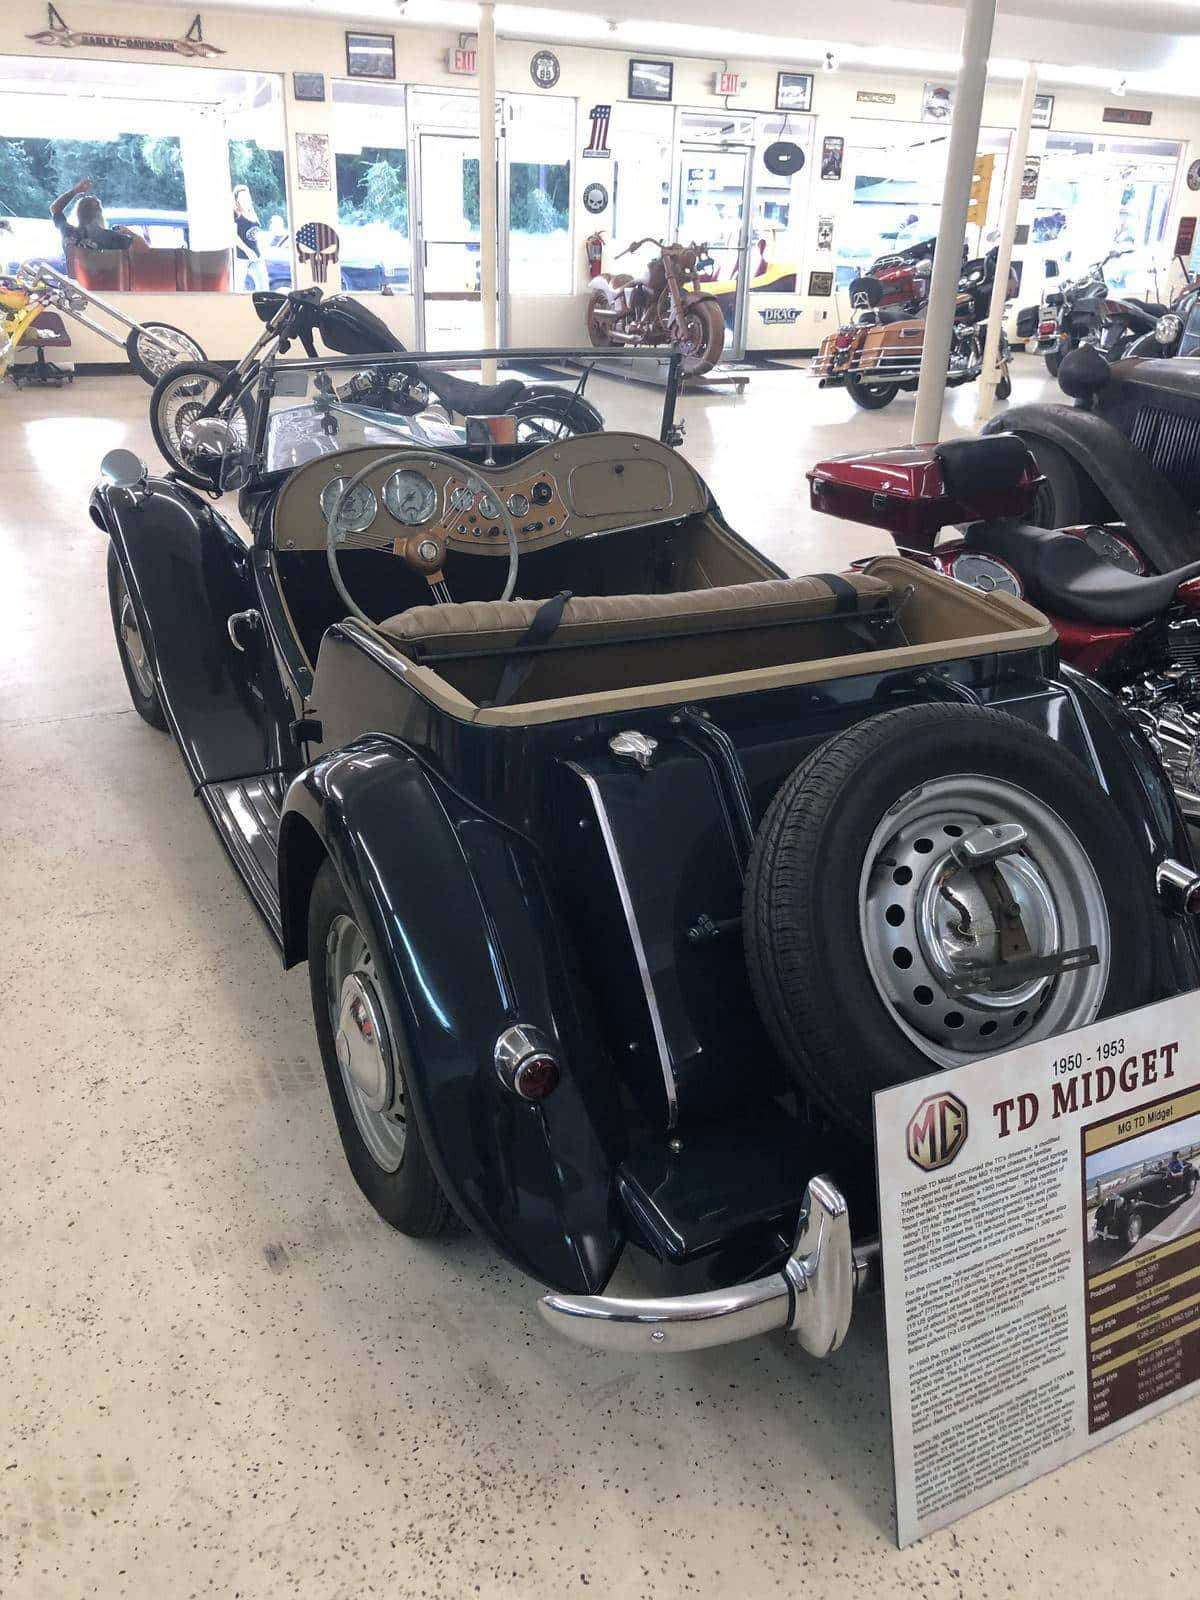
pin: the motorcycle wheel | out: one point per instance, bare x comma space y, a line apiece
149, 360
599, 328
548, 414
703, 338
871, 396
179, 397
850, 943
1054, 359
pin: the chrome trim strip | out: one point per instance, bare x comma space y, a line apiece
614, 861
812, 1296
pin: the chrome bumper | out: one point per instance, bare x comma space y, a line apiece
811, 1296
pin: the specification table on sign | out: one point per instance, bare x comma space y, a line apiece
1142, 1253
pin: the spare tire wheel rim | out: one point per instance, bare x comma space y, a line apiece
925, 919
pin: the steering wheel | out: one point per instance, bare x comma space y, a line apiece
423, 549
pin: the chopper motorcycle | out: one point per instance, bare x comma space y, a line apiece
194, 392
1134, 630
878, 353
664, 305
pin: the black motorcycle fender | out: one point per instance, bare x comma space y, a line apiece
187, 572
1139, 495
459, 908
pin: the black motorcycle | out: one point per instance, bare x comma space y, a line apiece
197, 390
1084, 311
1177, 331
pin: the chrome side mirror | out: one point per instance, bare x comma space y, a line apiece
121, 469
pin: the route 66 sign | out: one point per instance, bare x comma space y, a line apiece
544, 69
1193, 175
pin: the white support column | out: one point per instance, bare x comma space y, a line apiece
487, 180
956, 197
1017, 151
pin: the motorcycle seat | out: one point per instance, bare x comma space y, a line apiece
1067, 578
893, 314
1152, 308
471, 399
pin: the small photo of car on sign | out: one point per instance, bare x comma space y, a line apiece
1141, 1193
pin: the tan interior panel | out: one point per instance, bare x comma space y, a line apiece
576, 487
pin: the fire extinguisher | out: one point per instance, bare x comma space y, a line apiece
595, 254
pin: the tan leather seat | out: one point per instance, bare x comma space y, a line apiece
497, 624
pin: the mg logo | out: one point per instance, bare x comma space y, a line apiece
937, 1131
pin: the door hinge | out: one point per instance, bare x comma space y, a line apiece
307, 730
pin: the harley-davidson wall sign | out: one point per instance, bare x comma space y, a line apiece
56, 32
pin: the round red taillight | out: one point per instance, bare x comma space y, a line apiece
536, 1077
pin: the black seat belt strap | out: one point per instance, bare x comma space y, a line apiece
845, 595
518, 667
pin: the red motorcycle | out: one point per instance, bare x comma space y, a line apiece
1135, 631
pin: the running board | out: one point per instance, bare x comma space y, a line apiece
245, 812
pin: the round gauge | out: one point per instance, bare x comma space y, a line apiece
986, 574
358, 510
518, 504
462, 499
489, 506
410, 497
1113, 548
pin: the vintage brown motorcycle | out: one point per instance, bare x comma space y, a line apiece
664, 305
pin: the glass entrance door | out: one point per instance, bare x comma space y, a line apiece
713, 208
449, 309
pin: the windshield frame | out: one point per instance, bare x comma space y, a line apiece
263, 381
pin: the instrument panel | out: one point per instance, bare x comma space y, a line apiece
572, 488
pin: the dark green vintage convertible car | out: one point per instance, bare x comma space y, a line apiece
625, 866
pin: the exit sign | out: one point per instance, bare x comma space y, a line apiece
462, 62
727, 83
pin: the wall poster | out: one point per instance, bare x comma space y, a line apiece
937, 102
1030, 174
820, 283
312, 160
833, 148
824, 233
1041, 1255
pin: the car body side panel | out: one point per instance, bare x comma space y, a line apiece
462, 912
187, 572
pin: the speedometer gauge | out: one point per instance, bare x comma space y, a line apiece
357, 511
489, 506
410, 497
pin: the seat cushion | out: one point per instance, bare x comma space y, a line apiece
496, 624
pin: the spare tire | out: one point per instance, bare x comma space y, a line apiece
866, 935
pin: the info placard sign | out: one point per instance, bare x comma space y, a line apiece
1041, 1255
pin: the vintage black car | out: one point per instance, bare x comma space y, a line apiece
1127, 451
1139, 1202
620, 898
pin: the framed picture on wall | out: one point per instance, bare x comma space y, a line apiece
650, 80
370, 55
1043, 111
793, 91
308, 85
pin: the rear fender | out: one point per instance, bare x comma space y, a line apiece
609, 287
187, 572
460, 910
1140, 497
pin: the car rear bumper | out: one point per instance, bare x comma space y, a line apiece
812, 1296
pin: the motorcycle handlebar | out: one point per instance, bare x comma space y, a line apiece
637, 245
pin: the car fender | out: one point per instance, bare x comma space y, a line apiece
460, 909
187, 573
1151, 508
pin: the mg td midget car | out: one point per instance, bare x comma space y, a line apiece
625, 866
1139, 1202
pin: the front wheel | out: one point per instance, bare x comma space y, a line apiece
877, 934
131, 647
367, 1065
871, 396
156, 347
182, 396
703, 337
1134, 1228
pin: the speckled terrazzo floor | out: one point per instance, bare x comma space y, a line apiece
221, 1374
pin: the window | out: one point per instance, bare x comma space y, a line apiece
370, 141
167, 150
539, 138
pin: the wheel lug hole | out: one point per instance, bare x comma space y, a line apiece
894, 916
953, 1019
923, 994
902, 957
902, 875
923, 846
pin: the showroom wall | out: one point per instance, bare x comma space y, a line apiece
276, 43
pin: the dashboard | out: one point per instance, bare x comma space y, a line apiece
570, 489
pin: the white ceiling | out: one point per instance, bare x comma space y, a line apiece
1155, 44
